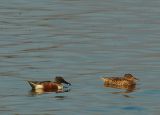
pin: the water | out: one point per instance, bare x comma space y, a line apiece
81, 40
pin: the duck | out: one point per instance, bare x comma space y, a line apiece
47, 86
126, 80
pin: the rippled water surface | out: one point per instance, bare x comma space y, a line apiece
81, 40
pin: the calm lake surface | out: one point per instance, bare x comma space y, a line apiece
81, 40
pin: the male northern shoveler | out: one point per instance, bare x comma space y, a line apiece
49, 85
127, 79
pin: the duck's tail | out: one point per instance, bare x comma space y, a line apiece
32, 84
103, 79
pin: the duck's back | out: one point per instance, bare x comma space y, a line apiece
116, 81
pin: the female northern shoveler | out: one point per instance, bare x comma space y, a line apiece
49, 85
128, 88
127, 79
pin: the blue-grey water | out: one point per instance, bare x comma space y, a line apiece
81, 40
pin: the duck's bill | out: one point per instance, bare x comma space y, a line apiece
66, 82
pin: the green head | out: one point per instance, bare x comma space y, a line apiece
60, 79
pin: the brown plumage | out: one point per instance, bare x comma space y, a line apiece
128, 88
127, 79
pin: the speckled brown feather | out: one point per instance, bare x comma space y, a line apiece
128, 79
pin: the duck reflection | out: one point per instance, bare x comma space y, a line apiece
34, 92
60, 97
127, 89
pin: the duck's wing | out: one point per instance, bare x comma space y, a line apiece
33, 84
115, 78
111, 78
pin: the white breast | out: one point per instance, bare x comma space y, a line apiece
60, 87
39, 87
